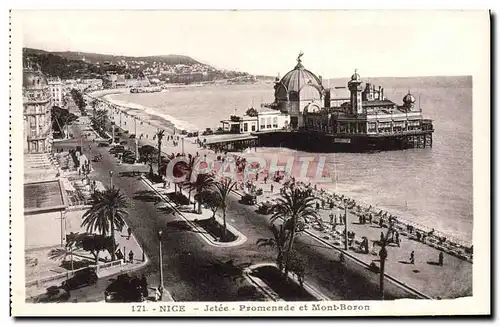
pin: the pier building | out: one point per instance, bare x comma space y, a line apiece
364, 121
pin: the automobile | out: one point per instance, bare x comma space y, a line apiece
128, 160
54, 294
125, 289
265, 208
249, 199
132, 135
103, 144
81, 278
123, 142
97, 158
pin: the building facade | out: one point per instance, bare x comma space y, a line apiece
37, 106
265, 120
368, 112
56, 91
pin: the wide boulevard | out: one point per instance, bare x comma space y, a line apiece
196, 271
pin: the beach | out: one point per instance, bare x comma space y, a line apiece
427, 187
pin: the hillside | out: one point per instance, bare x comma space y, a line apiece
171, 59
173, 67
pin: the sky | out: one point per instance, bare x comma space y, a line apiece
334, 43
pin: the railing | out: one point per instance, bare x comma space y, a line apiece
68, 274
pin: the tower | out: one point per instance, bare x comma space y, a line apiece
355, 88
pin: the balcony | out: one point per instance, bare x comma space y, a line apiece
36, 96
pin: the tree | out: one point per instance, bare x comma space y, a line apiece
204, 182
159, 135
210, 198
298, 266
106, 214
295, 207
224, 187
94, 104
98, 119
191, 163
147, 155
60, 118
278, 241
252, 112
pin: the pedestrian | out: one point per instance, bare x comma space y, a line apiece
441, 258
382, 237
272, 187
131, 256
412, 258
129, 231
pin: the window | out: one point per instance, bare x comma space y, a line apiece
275, 122
268, 123
253, 127
262, 123
245, 127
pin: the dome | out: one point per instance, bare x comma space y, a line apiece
409, 99
34, 79
295, 79
356, 76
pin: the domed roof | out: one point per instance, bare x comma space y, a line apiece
34, 79
295, 79
409, 99
356, 76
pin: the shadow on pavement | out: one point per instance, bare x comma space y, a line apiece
146, 196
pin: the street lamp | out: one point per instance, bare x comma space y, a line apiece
160, 288
111, 179
345, 229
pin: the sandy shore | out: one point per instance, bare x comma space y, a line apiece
145, 125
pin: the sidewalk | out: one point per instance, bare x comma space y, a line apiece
453, 279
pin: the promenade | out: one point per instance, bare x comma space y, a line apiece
425, 276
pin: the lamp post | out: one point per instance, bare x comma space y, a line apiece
345, 229
111, 179
136, 140
160, 288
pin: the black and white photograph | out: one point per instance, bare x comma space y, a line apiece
250, 163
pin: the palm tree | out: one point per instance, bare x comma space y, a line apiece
191, 163
278, 241
107, 213
295, 207
204, 182
224, 187
211, 198
159, 134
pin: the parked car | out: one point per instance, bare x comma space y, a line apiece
54, 294
248, 199
265, 208
132, 135
128, 160
125, 289
103, 144
80, 279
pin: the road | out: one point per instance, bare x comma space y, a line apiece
191, 267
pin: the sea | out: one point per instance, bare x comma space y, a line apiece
430, 187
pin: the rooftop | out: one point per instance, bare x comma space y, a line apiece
42, 196
378, 102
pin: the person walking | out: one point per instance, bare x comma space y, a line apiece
129, 231
131, 256
272, 187
441, 258
412, 258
